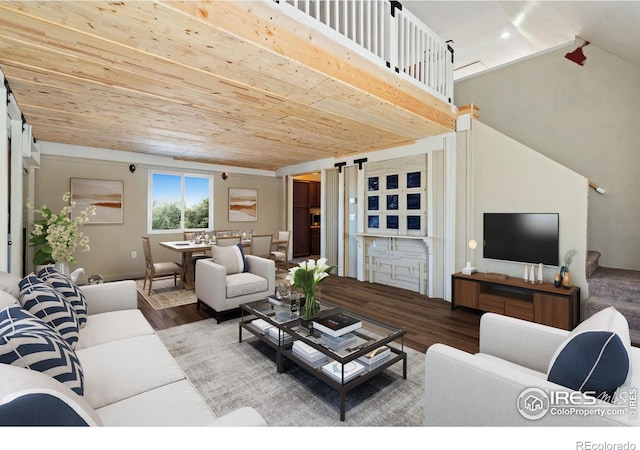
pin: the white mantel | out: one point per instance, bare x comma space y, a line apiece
401, 261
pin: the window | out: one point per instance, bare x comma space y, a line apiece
179, 202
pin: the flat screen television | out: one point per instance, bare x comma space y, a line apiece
522, 237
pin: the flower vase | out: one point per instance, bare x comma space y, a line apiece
309, 310
63, 267
566, 280
38, 267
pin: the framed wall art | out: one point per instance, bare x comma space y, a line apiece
243, 205
106, 195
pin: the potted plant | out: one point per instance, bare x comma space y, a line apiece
58, 235
307, 276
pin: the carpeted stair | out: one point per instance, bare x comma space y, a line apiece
619, 288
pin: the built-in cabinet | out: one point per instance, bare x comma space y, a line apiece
315, 240
400, 261
301, 234
536, 302
306, 200
314, 194
394, 248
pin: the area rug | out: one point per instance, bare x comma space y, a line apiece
230, 374
164, 294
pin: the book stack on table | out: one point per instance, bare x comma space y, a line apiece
351, 370
336, 331
375, 358
335, 325
279, 337
261, 325
310, 355
337, 344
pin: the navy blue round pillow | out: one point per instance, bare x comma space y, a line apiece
595, 362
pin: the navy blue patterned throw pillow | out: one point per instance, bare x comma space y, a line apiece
45, 302
68, 288
39, 410
26, 341
595, 362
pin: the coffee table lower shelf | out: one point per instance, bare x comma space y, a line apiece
285, 351
343, 389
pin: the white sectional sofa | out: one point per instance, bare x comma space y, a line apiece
130, 379
514, 366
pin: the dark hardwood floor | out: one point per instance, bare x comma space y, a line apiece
426, 320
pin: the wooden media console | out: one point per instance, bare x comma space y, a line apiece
536, 302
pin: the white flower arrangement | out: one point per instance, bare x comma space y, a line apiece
57, 234
307, 276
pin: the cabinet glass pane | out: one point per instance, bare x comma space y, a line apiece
392, 222
413, 222
392, 181
373, 221
413, 201
413, 179
392, 202
374, 183
373, 203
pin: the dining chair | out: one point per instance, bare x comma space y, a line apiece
281, 253
227, 241
195, 256
261, 245
158, 270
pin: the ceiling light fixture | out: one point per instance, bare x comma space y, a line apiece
505, 35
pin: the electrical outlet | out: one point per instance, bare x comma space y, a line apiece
134, 254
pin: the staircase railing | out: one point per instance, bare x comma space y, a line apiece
387, 33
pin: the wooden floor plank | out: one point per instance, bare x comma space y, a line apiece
426, 320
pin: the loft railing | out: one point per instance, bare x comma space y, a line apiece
390, 34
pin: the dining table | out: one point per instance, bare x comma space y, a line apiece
188, 248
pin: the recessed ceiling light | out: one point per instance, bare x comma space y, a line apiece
505, 35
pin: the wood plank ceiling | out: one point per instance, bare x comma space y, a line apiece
230, 83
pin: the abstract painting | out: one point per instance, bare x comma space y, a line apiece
106, 195
243, 205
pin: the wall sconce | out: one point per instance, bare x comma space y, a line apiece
597, 188
577, 56
468, 270
224, 176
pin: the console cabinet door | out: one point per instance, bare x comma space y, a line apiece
552, 310
520, 309
466, 293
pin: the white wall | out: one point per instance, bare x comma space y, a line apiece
507, 176
584, 117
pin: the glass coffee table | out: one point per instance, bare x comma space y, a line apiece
343, 362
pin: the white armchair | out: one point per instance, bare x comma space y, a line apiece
224, 292
462, 389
